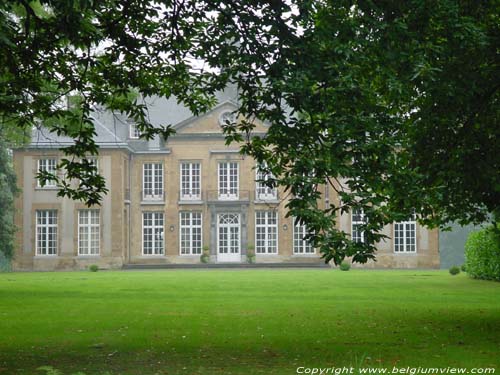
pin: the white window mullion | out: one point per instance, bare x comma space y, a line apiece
405, 236
223, 179
233, 179
357, 219
88, 232
190, 181
152, 181
46, 232
134, 132
196, 180
153, 233
266, 225
264, 192
228, 175
403, 239
190, 233
47, 165
145, 180
301, 245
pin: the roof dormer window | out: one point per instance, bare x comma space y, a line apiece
134, 132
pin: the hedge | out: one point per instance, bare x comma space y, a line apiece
482, 254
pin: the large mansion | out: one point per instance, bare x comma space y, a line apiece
168, 202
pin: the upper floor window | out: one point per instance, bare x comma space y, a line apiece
357, 219
152, 178
46, 232
300, 244
49, 166
134, 132
405, 235
93, 161
228, 180
266, 232
190, 181
307, 182
88, 232
262, 178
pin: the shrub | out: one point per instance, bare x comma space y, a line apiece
250, 254
5, 265
205, 255
345, 266
454, 270
463, 268
204, 258
49, 370
482, 254
94, 268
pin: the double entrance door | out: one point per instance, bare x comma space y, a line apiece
228, 237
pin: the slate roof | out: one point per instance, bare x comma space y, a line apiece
112, 130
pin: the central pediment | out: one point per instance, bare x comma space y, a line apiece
211, 122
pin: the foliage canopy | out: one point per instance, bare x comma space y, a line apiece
482, 254
8, 190
394, 104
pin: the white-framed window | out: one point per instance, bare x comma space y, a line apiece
190, 181
228, 180
47, 165
307, 178
301, 245
266, 232
152, 181
190, 227
88, 232
357, 219
46, 232
93, 161
405, 236
264, 192
134, 132
152, 233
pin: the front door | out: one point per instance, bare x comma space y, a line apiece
228, 237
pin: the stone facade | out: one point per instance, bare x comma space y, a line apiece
121, 222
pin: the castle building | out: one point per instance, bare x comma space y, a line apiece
168, 202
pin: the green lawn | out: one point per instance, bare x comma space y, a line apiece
245, 321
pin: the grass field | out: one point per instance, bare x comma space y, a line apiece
245, 321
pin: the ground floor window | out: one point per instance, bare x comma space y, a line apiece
190, 233
301, 245
46, 232
266, 232
88, 232
357, 220
405, 236
152, 233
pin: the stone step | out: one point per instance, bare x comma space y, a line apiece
223, 265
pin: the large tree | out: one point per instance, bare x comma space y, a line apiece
394, 104
8, 190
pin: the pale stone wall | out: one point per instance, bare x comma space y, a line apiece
426, 256
35, 198
121, 212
